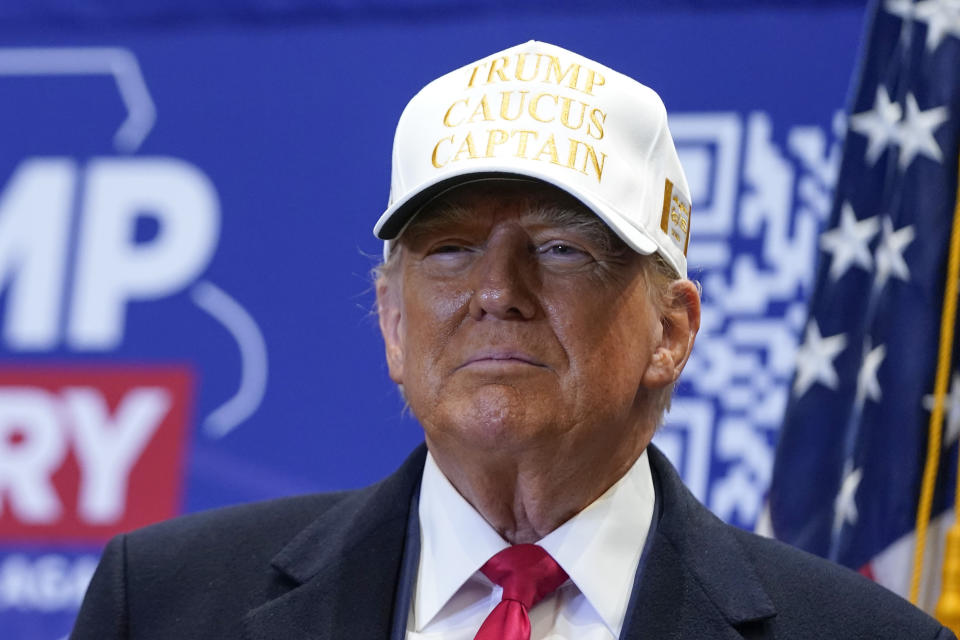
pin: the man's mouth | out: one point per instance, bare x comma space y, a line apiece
501, 358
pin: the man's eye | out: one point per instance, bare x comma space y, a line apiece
449, 253
447, 248
562, 250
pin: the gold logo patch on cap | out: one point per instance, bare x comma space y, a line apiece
675, 221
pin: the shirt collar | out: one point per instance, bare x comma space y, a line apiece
455, 541
599, 548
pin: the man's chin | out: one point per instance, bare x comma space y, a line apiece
497, 417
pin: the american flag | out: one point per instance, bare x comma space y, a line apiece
848, 469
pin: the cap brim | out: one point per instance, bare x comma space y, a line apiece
398, 215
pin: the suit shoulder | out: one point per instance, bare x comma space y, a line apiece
775, 557
263, 526
813, 591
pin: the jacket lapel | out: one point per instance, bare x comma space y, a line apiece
697, 582
341, 572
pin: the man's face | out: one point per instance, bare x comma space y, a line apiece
514, 317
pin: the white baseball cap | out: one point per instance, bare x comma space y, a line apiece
542, 112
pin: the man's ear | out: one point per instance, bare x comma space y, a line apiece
680, 322
391, 320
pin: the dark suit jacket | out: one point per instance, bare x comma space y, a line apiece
327, 566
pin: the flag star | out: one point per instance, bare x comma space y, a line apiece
845, 506
901, 8
847, 242
915, 132
815, 360
889, 255
942, 18
952, 432
867, 384
879, 125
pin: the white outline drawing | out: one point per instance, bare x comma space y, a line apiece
141, 116
114, 61
253, 358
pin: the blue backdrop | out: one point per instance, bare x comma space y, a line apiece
187, 192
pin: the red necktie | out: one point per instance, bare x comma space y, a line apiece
527, 574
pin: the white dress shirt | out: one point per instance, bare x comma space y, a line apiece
599, 548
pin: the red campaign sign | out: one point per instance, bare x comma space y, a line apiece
87, 452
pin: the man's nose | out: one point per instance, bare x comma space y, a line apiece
504, 279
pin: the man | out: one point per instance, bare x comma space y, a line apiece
536, 313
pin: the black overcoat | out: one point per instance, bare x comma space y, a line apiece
327, 566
